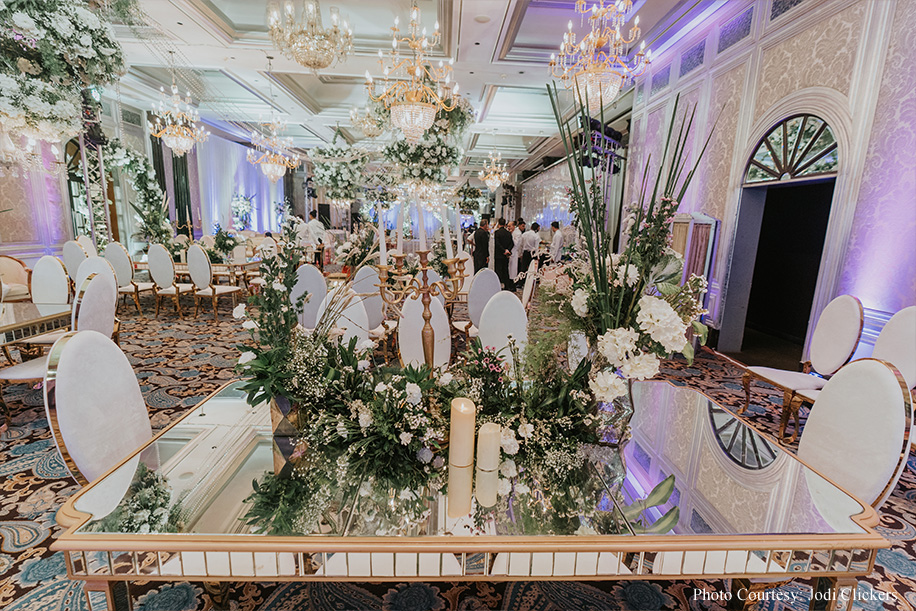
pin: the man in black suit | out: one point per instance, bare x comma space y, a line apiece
481, 239
504, 243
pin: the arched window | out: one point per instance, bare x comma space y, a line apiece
802, 146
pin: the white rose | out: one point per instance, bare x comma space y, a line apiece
247, 357
362, 365
445, 379
249, 324
381, 387
505, 487
525, 430
508, 442
507, 468
414, 394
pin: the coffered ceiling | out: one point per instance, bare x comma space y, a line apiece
500, 48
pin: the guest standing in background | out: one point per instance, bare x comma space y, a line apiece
517, 229
503, 250
556, 244
529, 243
317, 237
481, 242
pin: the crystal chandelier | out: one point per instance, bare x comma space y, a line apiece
305, 40
367, 122
16, 159
271, 150
176, 121
597, 66
422, 90
494, 173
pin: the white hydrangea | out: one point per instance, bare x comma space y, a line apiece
508, 441
414, 394
507, 468
580, 302
445, 379
616, 344
504, 487
607, 386
628, 274
641, 366
405, 438
657, 318
525, 430
246, 357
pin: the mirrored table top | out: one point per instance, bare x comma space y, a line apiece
21, 314
729, 480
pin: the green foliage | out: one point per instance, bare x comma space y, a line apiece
224, 242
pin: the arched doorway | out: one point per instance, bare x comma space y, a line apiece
779, 240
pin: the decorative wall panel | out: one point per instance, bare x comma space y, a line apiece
880, 266
822, 55
660, 79
692, 58
781, 6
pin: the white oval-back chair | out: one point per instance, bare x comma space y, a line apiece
49, 281
162, 271
352, 319
94, 406
267, 248
74, 253
832, 345
202, 276
855, 434
431, 277
410, 333
14, 276
92, 309
484, 285
503, 317
207, 241
312, 283
117, 255
896, 344
365, 285
88, 245
95, 265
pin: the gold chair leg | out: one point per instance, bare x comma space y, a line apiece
215, 315
7, 419
787, 401
177, 304
158, 304
196, 306
746, 382
137, 301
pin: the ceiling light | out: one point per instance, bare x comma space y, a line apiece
176, 120
304, 39
494, 173
271, 151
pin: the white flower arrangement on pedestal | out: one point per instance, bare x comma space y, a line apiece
427, 161
241, 206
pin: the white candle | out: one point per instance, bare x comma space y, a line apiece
486, 487
460, 486
449, 253
401, 229
489, 438
382, 238
422, 225
461, 432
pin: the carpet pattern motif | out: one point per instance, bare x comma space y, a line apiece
179, 362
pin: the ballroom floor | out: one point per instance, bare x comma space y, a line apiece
181, 362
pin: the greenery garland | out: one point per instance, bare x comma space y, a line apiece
152, 216
338, 168
429, 160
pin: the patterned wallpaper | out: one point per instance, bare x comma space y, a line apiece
880, 265
819, 56
692, 58
660, 79
39, 218
736, 30
17, 225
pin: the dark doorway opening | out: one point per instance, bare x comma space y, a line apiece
784, 279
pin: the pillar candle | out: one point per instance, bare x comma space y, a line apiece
449, 253
460, 480
487, 475
382, 238
458, 233
401, 229
461, 432
422, 225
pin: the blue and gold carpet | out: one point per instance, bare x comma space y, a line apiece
179, 362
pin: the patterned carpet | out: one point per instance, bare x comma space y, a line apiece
179, 362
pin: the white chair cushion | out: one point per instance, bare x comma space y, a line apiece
836, 334
410, 333
100, 414
221, 289
258, 281
504, 316
45, 339
27, 370
896, 344
810, 395
855, 431
140, 287
182, 288
16, 292
793, 380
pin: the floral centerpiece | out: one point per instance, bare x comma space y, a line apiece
242, 206
338, 168
49, 51
630, 307
469, 199
150, 206
146, 508
360, 246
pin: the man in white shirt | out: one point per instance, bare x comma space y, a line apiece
316, 237
557, 243
529, 244
517, 229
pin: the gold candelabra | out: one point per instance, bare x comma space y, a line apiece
406, 286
